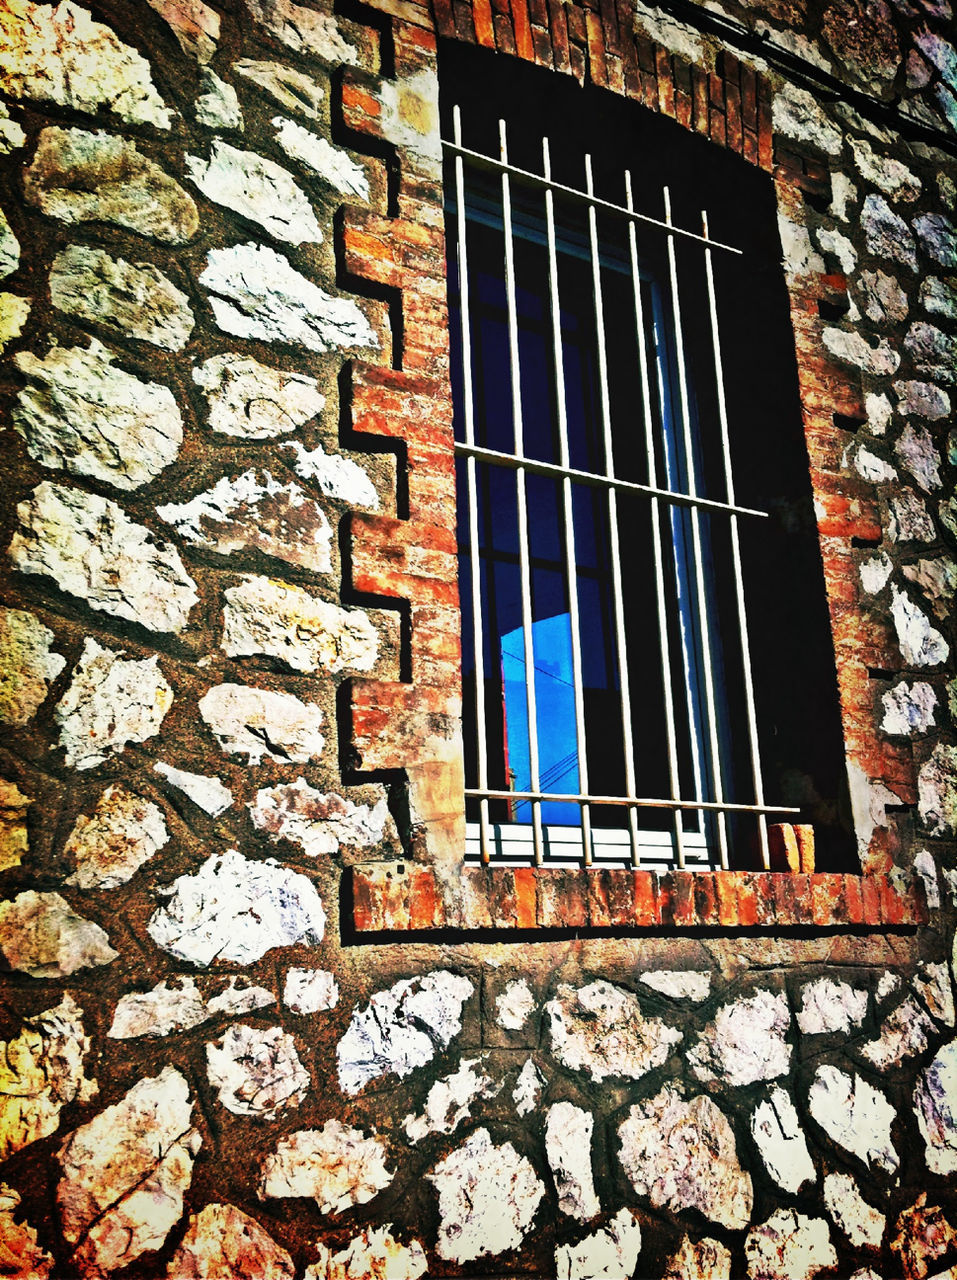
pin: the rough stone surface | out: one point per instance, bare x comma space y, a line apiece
292, 89
937, 579
745, 1042
78, 176
922, 399
935, 1103
829, 1006
610, 1251
41, 935
789, 1246
194, 24
59, 54
875, 572
915, 449
921, 645
690, 985
336, 476
704, 1259
488, 1196
909, 708
234, 909
887, 234
91, 549
932, 984
9, 248
924, 1235
600, 1029
682, 1155
19, 1247
263, 615
27, 665
253, 401
221, 1241
256, 1072
11, 135
515, 1005
14, 312
14, 840
255, 293
310, 990
939, 297
937, 790
449, 1101
80, 413
932, 351
167, 1008
853, 348
335, 167
402, 1028
568, 1137
374, 1255
938, 238
881, 296
258, 723
217, 106
855, 1115
109, 845
863, 37
125, 1174
777, 1134
209, 793
909, 519
41, 1071
837, 244
316, 822
528, 1088
110, 701
885, 172
303, 30
336, 1166
258, 189
133, 300
849, 1211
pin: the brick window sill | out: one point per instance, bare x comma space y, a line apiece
406, 896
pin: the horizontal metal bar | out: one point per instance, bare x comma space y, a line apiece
535, 179
631, 802
597, 480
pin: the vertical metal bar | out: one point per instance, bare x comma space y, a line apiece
664, 646
520, 485
756, 771
628, 737
468, 407
703, 620
571, 561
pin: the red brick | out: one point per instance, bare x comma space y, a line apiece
596, 48
523, 30
599, 911
783, 849
526, 894
699, 104
749, 908
853, 900
444, 19
786, 910
804, 834
706, 898
665, 895
426, 910
559, 34
892, 906
542, 45
645, 898
749, 100
765, 129
666, 86
735, 133
803, 901
504, 36
620, 896
683, 910
826, 905
365, 902
726, 887
464, 22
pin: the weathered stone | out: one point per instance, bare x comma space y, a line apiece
316, 822
935, 1102
937, 579
402, 1028
303, 30
256, 1072
9, 248
932, 984
568, 1135
800, 257
337, 1166
875, 572
515, 1005
263, 722
939, 297
283, 621
125, 1174
110, 701
160, 1011
336, 476
909, 519
27, 665
374, 1255
132, 300
257, 294
258, 189
745, 1042
889, 175
249, 400
194, 24
80, 413
937, 790
221, 1241
932, 351
41, 935
12, 136
903, 1034
409, 116
923, 400
41, 1071
122, 833
887, 235
879, 412
889, 983
948, 516
210, 794
924, 1235
235, 909
828, 1006
870, 467
310, 990
23, 1259
217, 106
926, 868
679, 984
610, 1251
881, 296
921, 645
91, 549
527, 1089
853, 348
843, 195
239, 996
909, 708
14, 840
838, 246
789, 1246
704, 1259
940, 52
335, 167
60, 55
855, 1115
449, 1100
682, 1155
938, 238
777, 1134
849, 1211
292, 89
14, 313
77, 176
254, 512
488, 1196
600, 1029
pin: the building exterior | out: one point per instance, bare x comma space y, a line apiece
267, 1010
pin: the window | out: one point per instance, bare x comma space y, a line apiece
647, 671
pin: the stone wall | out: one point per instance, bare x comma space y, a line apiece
225, 399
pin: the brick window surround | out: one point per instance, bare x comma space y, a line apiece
412, 727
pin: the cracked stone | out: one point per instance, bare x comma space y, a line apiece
855, 1115
125, 1174
335, 167
938, 238
14, 841
217, 106
488, 1197
948, 516
14, 312
254, 512
165, 1008
854, 349
23, 1259
402, 1028
12, 136
828, 1006
909, 519
837, 244
887, 234
610, 1251
287, 86
568, 1135
254, 402
59, 54
310, 990
937, 790
27, 665
235, 909
776, 1130
41, 1071
789, 1246
932, 984
682, 1155
79, 413
256, 1072
91, 549
515, 1005
236, 998
194, 24
939, 297
374, 1255
78, 176
926, 869
318, 823
258, 189
932, 351
41, 935
600, 1029
937, 579
849, 1211
130, 299
261, 723
9, 248
255, 293
303, 30
704, 1259
889, 175
111, 844
449, 1100
336, 1166
872, 468
209, 793
921, 645
800, 258
882, 297
909, 708
923, 1236
875, 572
935, 1103
879, 412
862, 35
221, 1241
678, 984
922, 399
336, 476
745, 1042
528, 1088
263, 615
